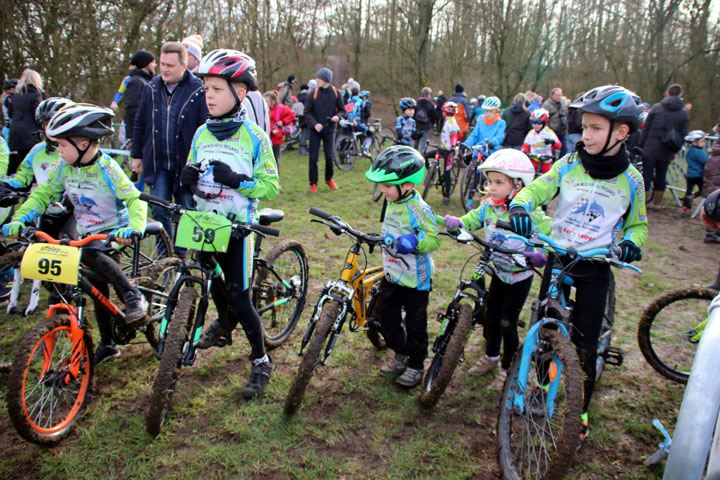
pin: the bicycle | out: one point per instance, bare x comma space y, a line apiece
540, 161
291, 139
51, 374
383, 137
465, 311
539, 421
354, 296
473, 179
442, 176
670, 329
348, 146
278, 292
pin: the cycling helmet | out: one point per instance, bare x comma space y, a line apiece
450, 107
81, 120
364, 94
396, 165
473, 101
481, 99
406, 103
540, 116
49, 107
491, 103
10, 83
711, 207
232, 65
616, 103
513, 163
694, 136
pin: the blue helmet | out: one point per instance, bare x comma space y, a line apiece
364, 94
614, 102
406, 103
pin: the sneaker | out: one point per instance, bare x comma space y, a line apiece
584, 433
711, 238
499, 381
445, 201
105, 352
135, 307
213, 334
685, 213
259, 378
395, 366
313, 188
331, 183
484, 365
411, 377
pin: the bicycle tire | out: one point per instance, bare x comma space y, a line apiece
11, 259
178, 333
71, 399
447, 358
373, 332
429, 180
469, 181
517, 431
310, 360
606, 332
345, 153
453, 176
279, 322
376, 193
667, 326
156, 288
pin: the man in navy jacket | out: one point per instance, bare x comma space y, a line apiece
172, 108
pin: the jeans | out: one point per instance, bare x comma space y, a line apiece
164, 188
421, 142
573, 139
327, 135
564, 140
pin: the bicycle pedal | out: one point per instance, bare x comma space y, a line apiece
613, 356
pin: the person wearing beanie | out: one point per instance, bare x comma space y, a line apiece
285, 91
143, 71
463, 111
194, 45
323, 107
140, 60
459, 88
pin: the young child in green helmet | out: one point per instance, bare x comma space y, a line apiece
409, 224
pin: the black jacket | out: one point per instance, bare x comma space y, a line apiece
517, 119
574, 120
23, 130
322, 104
135, 87
428, 106
670, 112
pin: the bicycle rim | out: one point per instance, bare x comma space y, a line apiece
534, 443
469, 188
44, 400
429, 180
345, 153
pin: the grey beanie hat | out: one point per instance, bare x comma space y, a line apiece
324, 74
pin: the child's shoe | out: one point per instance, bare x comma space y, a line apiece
484, 365
104, 353
395, 366
135, 306
259, 378
331, 183
411, 377
585, 430
499, 381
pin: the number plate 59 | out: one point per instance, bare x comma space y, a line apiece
204, 231
54, 263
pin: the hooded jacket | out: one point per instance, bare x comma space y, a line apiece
669, 113
517, 120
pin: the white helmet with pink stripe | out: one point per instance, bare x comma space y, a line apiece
513, 163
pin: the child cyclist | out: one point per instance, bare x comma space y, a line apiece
235, 156
696, 159
598, 192
405, 126
541, 140
450, 136
103, 199
410, 223
489, 128
507, 171
358, 111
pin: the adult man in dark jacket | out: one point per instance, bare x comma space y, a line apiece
558, 116
140, 76
441, 99
464, 113
656, 156
424, 119
323, 106
171, 109
517, 119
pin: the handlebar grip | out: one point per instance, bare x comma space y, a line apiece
154, 200
320, 213
273, 232
505, 225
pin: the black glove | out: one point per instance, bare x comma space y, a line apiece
491, 145
629, 252
224, 174
520, 221
189, 176
549, 141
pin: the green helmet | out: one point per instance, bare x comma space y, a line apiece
396, 165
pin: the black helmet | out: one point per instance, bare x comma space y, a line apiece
81, 120
712, 210
10, 83
49, 107
406, 103
614, 102
396, 165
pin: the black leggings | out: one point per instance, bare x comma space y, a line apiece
654, 174
691, 184
233, 300
412, 338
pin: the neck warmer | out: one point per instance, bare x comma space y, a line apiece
50, 147
497, 203
603, 166
226, 127
490, 122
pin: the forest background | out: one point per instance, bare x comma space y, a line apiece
393, 47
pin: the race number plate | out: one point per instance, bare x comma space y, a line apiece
53, 263
206, 232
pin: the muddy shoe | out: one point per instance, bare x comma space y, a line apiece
395, 366
213, 335
135, 307
259, 378
499, 381
411, 377
104, 353
484, 365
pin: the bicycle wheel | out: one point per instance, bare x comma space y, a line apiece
177, 336
279, 291
374, 332
429, 179
454, 175
540, 441
44, 400
470, 187
606, 332
451, 347
670, 328
345, 152
311, 356
156, 288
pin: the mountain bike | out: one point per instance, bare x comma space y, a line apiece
465, 311
442, 175
670, 329
383, 137
354, 297
278, 293
348, 146
539, 421
51, 375
291, 139
473, 179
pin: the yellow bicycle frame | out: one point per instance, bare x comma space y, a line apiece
361, 282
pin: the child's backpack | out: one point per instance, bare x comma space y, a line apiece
299, 109
461, 117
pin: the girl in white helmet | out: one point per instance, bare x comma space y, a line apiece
696, 159
508, 171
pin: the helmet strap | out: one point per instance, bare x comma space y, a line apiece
81, 153
606, 148
238, 103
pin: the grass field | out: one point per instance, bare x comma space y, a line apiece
353, 423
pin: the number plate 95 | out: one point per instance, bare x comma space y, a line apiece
54, 263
